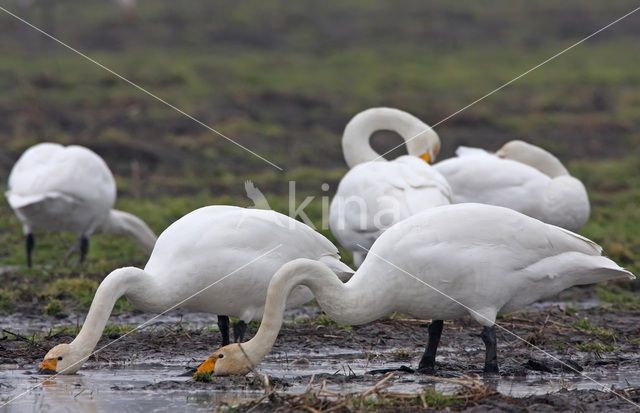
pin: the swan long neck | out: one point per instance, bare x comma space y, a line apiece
115, 285
336, 299
124, 223
535, 157
418, 136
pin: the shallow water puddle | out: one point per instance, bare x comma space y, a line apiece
151, 380
109, 390
150, 385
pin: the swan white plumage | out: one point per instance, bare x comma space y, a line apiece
443, 263
520, 176
71, 188
377, 193
225, 254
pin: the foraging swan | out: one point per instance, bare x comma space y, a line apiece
443, 263
377, 193
224, 254
519, 176
69, 189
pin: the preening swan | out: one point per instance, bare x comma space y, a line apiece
377, 193
69, 189
519, 176
443, 263
226, 255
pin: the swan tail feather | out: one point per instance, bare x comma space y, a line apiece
574, 268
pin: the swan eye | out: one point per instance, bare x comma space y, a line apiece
60, 358
220, 356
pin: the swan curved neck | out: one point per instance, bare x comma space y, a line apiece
535, 157
114, 286
336, 299
418, 136
124, 223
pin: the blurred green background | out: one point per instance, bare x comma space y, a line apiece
283, 78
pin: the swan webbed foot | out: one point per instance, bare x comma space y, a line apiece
84, 247
428, 361
428, 369
491, 358
223, 325
239, 329
29, 246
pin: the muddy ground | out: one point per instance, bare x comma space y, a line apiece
352, 360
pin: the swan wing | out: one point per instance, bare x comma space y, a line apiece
50, 170
229, 254
491, 180
468, 151
490, 258
375, 195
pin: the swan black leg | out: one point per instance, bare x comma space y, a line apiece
223, 325
491, 359
84, 247
428, 361
30, 244
239, 329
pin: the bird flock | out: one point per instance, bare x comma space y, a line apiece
479, 234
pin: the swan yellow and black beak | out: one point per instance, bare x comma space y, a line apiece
208, 366
426, 157
48, 366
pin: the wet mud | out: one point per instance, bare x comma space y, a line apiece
569, 367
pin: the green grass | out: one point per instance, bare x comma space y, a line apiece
323, 320
598, 331
204, 377
595, 347
118, 329
53, 307
620, 297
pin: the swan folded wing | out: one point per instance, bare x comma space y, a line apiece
270, 229
73, 170
537, 239
18, 201
410, 172
583, 243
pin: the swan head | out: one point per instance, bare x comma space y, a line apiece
62, 360
426, 146
533, 156
516, 150
432, 152
230, 360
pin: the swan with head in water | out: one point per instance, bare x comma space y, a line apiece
443, 263
216, 259
70, 189
519, 176
377, 193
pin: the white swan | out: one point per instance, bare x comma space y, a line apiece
225, 254
443, 263
519, 176
375, 193
69, 189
